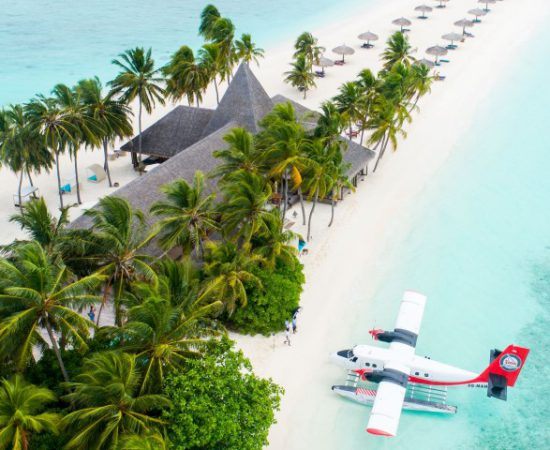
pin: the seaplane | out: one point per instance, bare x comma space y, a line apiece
409, 381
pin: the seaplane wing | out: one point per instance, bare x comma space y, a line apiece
387, 406
408, 322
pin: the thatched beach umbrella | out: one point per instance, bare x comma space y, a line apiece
478, 13
437, 51
423, 9
452, 37
441, 5
424, 62
323, 62
464, 23
368, 36
486, 2
343, 50
402, 22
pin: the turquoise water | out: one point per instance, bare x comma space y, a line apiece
480, 249
50, 41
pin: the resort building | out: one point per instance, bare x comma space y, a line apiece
184, 140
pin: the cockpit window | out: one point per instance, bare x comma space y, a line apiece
346, 353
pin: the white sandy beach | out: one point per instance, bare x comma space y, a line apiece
370, 222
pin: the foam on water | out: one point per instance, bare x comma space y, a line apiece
480, 249
61, 41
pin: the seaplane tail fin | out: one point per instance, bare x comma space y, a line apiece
507, 363
503, 370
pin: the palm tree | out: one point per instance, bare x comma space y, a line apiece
350, 102
163, 336
300, 75
52, 124
330, 123
38, 291
398, 49
319, 179
240, 155
368, 85
247, 50
386, 126
120, 233
22, 413
187, 215
187, 76
112, 116
109, 404
208, 16
209, 56
228, 270
138, 79
41, 226
222, 34
21, 148
306, 45
85, 129
273, 243
287, 157
244, 211
421, 82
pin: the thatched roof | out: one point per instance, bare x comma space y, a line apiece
357, 157
244, 102
177, 130
143, 191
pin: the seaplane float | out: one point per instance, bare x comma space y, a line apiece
408, 381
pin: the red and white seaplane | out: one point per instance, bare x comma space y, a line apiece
399, 372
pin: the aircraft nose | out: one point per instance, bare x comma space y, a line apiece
340, 357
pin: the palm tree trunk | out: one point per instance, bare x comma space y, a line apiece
350, 130
302, 205
106, 163
19, 188
56, 350
139, 136
30, 178
381, 153
362, 134
77, 178
332, 203
198, 101
311, 214
58, 178
285, 196
216, 89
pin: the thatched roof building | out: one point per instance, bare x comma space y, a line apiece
187, 137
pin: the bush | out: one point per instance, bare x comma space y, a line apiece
268, 308
218, 402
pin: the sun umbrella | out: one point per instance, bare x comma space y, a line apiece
424, 62
368, 36
423, 9
323, 62
436, 51
441, 5
452, 37
464, 23
402, 22
343, 50
487, 3
478, 13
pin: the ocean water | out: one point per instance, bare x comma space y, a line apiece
45, 42
479, 247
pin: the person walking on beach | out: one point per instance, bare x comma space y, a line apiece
295, 320
91, 313
287, 333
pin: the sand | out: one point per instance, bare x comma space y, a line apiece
370, 222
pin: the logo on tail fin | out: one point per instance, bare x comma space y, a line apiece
509, 362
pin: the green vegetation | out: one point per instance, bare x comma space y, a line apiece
200, 420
